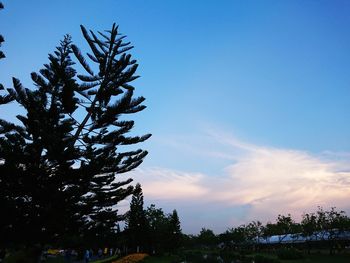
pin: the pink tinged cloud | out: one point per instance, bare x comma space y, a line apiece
278, 181
270, 181
162, 183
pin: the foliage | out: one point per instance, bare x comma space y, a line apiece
65, 156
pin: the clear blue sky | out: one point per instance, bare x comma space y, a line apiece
271, 74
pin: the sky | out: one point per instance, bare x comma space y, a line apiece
248, 101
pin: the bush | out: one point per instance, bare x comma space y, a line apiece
289, 254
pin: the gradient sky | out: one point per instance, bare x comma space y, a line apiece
248, 101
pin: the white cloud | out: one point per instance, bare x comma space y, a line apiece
161, 183
277, 181
269, 181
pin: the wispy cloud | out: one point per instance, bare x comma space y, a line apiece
162, 183
266, 181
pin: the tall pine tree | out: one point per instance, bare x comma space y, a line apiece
59, 169
136, 225
175, 230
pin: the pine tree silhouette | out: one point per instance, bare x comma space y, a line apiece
59, 175
136, 225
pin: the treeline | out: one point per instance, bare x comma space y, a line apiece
151, 230
326, 228
154, 231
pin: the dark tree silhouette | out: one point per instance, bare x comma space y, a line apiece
59, 169
253, 232
207, 237
158, 229
136, 225
309, 227
175, 237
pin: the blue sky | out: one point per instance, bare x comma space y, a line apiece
234, 89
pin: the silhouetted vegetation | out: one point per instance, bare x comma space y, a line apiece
136, 227
149, 230
59, 167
